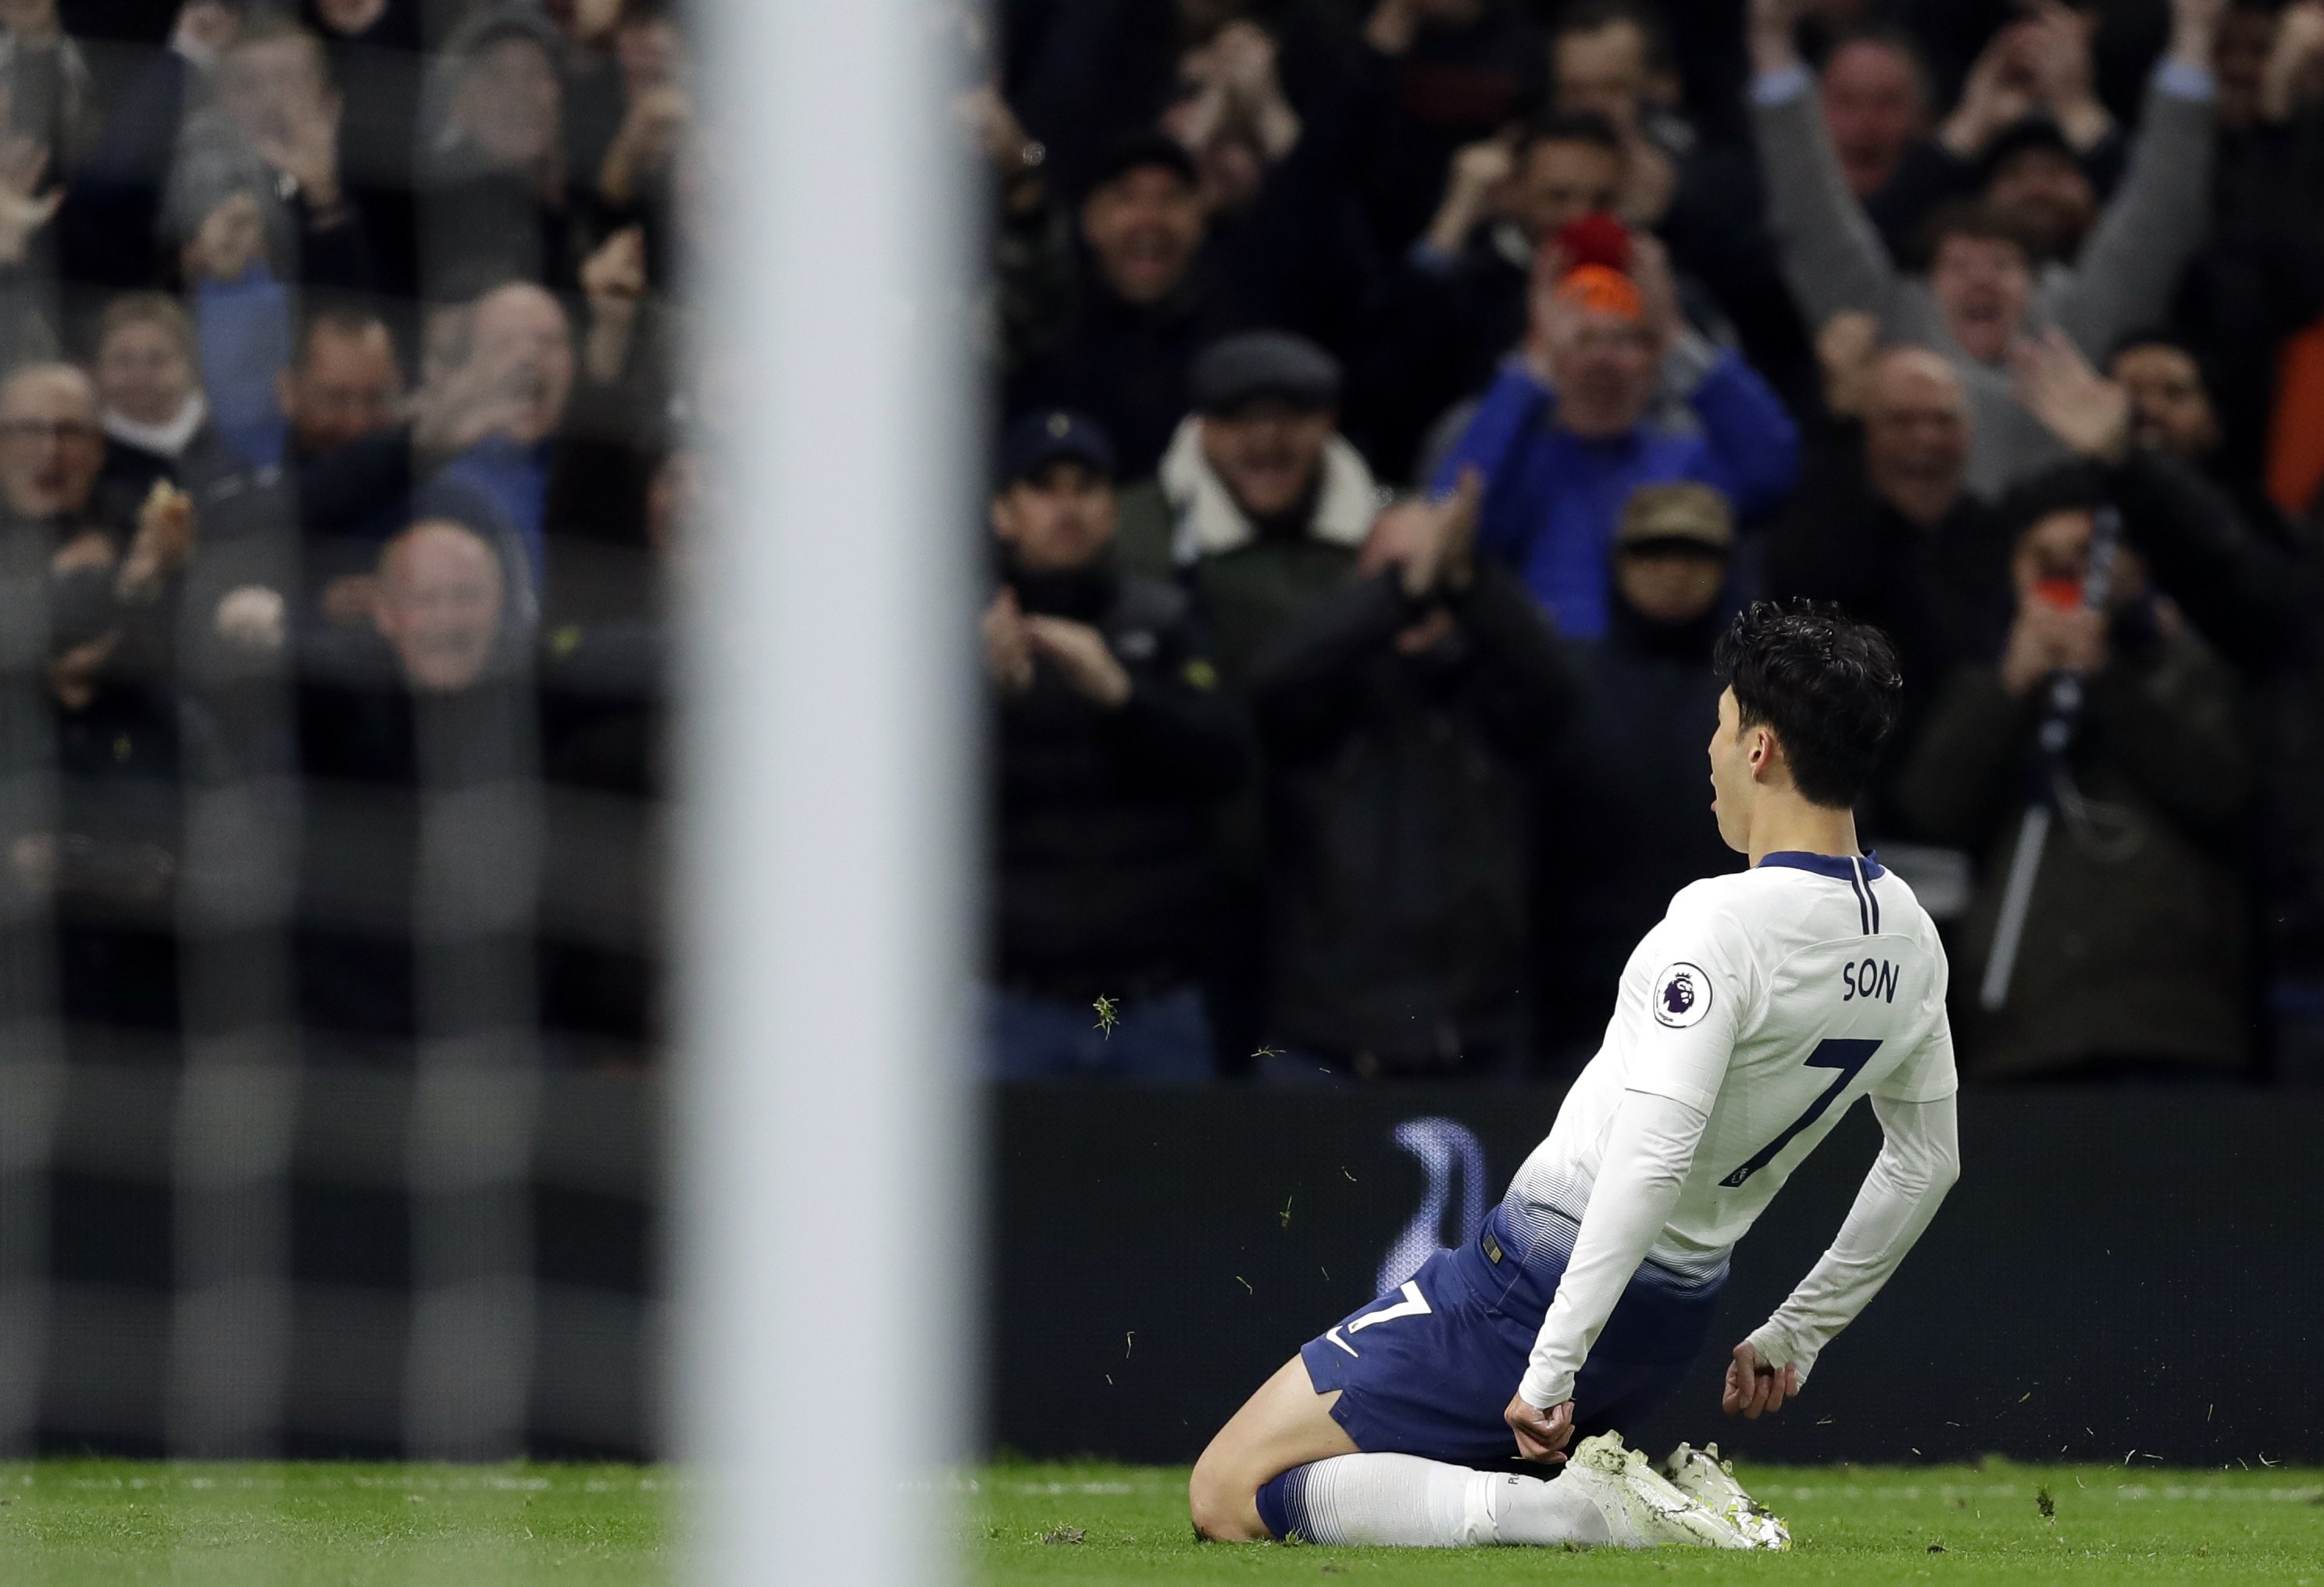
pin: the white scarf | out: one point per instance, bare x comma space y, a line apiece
169, 438
1210, 522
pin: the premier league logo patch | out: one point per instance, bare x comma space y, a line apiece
1682, 996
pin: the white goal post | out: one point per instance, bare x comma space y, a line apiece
822, 1114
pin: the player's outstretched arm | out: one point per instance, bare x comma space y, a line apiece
1649, 1146
1919, 1160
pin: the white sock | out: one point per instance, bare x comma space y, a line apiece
1400, 1500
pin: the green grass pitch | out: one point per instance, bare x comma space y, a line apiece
127, 1524
1103, 1525
124, 1524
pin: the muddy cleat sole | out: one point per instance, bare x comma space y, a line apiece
1710, 1482
1642, 1509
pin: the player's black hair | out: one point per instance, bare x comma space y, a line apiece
1827, 684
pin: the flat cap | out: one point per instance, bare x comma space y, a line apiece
1263, 364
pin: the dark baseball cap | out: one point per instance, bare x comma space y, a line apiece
1054, 435
1263, 364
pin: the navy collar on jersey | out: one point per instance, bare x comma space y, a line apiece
1839, 867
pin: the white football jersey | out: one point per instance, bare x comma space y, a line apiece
1772, 1000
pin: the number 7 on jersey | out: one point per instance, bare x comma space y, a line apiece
1847, 1054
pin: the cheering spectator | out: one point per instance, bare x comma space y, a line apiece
1564, 438
255, 184
417, 739
2173, 411
2254, 594
1088, 75
1611, 59
375, 51
1987, 281
52, 452
108, 868
1885, 524
1288, 237
346, 381
1874, 93
2029, 129
52, 455
50, 97
495, 191
656, 110
1440, 76
1261, 503
2132, 960
158, 423
25, 211
1111, 746
491, 417
1459, 305
2260, 276
523, 331
1631, 773
1148, 301
1404, 716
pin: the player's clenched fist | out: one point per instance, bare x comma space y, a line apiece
1542, 1435
1755, 1389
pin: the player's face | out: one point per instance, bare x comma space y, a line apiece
1730, 777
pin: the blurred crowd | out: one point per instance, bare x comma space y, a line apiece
342, 449
1397, 397
1392, 400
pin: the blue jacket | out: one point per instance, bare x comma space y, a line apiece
1553, 500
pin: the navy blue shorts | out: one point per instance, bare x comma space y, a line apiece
1428, 1370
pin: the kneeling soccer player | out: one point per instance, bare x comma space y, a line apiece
1747, 1023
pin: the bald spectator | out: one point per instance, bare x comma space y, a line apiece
1885, 524
440, 602
522, 350
418, 738
1994, 275
489, 417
